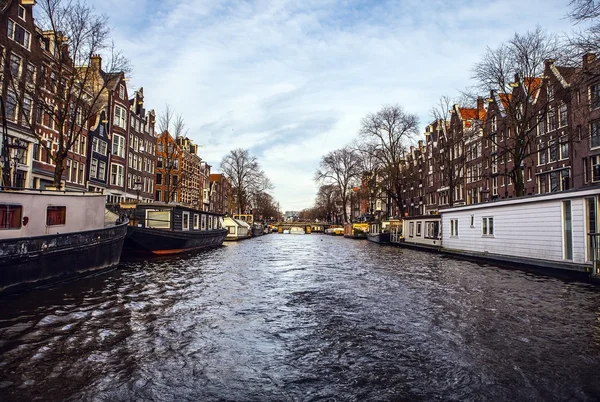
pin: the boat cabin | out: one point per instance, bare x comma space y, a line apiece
173, 217
236, 229
30, 213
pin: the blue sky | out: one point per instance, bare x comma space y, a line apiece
291, 80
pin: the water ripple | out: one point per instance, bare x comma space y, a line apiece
304, 318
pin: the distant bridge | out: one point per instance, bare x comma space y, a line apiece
309, 227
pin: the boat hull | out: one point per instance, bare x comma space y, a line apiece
163, 242
35, 261
380, 238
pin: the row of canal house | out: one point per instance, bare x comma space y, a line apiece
466, 171
118, 152
469, 158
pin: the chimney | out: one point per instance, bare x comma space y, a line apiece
588, 58
548, 63
96, 62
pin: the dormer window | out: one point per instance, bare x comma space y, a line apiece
22, 13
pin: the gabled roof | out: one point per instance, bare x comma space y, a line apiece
533, 86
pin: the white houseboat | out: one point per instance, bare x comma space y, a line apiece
555, 230
236, 229
51, 236
419, 232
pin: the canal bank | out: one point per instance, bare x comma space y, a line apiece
304, 318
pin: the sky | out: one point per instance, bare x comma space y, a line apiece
291, 80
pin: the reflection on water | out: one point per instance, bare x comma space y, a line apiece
304, 318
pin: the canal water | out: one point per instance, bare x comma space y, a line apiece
304, 318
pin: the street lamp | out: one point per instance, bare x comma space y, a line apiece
17, 148
137, 185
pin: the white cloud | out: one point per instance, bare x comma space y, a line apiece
292, 80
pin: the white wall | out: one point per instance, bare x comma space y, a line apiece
531, 228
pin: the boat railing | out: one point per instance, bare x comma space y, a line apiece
49, 190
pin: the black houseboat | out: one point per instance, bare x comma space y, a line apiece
158, 228
50, 236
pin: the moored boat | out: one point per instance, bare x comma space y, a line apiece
236, 229
356, 230
379, 232
48, 236
159, 229
297, 230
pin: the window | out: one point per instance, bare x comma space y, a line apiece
554, 182
487, 226
472, 221
432, 230
159, 178
27, 105
595, 163
563, 115
411, 231
494, 124
453, 227
30, 74
158, 219
94, 168
11, 105
159, 162
22, 13
542, 155
551, 120
19, 34
564, 148
203, 222
101, 170
56, 215
116, 174
595, 95
10, 216
553, 151
118, 146
158, 195
16, 64
122, 91
185, 221
595, 133
418, 229
196, 221
565, 179
550, 90
120, 117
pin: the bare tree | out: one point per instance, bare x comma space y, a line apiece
586, 11
341, 168
246, 177
67, 93
512, 74
174, 124
169, 165
391, 129
325, 201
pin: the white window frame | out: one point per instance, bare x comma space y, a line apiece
487, 226
120, 174
185, 220
119, 144
453, 227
